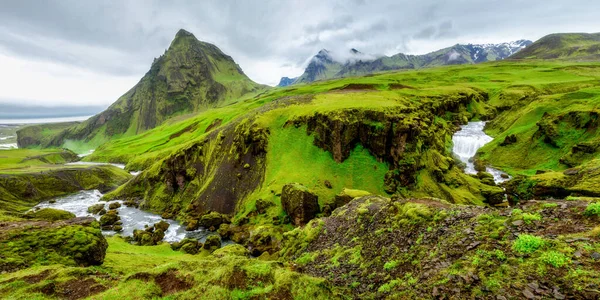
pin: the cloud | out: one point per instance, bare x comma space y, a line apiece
71, 51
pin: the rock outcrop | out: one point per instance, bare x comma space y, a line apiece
299, 203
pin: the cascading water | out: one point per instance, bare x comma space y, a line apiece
467, 141
131, 217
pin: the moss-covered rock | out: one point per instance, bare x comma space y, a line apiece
232, 250
96, 208
299, 203
151, 235
114, 205
49, 214
73, 242
213, 220
162, 225
109, 219
212, 243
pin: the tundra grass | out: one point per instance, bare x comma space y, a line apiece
15, 161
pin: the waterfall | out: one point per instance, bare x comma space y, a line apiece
467, 141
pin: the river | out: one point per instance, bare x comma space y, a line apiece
132, 218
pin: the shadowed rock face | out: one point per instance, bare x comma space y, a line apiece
191, 76
299, 203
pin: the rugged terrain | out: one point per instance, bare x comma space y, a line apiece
344, 188
191, 76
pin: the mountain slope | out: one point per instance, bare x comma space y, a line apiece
191, 76
325, 66
563, 45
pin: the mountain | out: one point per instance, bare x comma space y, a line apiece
585, 46
325, 66
321, 66
191, 76
285, 81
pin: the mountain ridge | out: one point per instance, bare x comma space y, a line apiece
563, 46
324, 66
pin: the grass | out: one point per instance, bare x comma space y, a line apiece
16, 161
207, 276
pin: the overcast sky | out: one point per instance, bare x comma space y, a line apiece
91, 52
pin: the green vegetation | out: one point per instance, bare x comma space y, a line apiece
555, 259
581, 46
68, 243
218, 152
191, 76
29, 176
527, 244
49, 214
593, 209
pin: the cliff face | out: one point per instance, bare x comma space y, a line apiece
191, 76
228, 169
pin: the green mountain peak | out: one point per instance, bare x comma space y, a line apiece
191, 76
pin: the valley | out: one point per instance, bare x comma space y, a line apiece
474, 180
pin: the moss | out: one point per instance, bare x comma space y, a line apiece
49, 214
555, 259
65, 243
390, 265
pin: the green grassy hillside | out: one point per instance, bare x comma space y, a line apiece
337, 131
30, 176
580, 46
191, 76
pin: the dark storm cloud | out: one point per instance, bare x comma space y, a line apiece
269, 38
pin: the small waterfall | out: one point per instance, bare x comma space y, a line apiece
467, 141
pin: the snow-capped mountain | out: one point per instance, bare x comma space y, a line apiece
327, 65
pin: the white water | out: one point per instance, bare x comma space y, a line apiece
467, 141
131, 217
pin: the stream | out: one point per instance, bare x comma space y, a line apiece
467, 141
132, 218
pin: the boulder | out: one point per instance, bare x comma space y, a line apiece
73, 242
162, 225
96, 208
212, 243
109, 219
299, 203
114, 205
192, 225
151, 235
190, 246
213, 219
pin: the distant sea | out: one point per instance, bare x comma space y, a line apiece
42, 120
